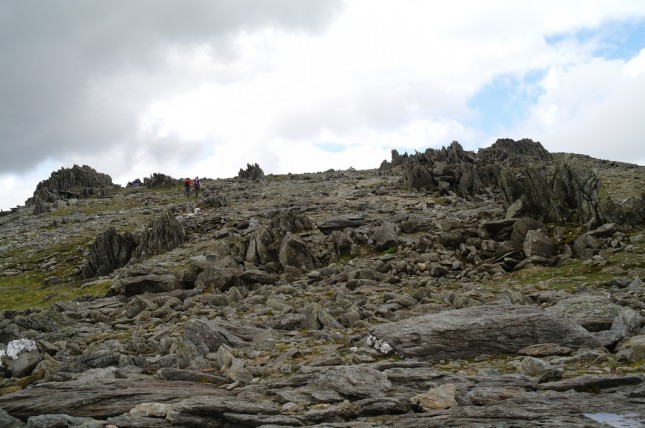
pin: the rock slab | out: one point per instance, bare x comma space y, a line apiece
480, 330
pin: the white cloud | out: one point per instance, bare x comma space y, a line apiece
205, 89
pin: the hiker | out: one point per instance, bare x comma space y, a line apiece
187, 187
197, 185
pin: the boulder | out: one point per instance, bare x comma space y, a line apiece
355, 382
208, 335
152, 283
586, 246
386, 236
633, 349
488, 329
291, 221
592, 312
342, 222
260, 248
537, 243
295, 252
217, 277
162, 234
110, 251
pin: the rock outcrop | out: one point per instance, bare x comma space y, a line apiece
252, 172
72, 183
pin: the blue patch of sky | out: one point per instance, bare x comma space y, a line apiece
328, 146
613, 40
506, 100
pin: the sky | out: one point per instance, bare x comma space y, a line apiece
203, 87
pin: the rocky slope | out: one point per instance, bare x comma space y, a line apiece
446, 288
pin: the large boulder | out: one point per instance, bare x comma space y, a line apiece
295, 252
470, 332
593, 312
342, 222
152, 283
162, 234
111, 250
260, 248
209, 335
537, 243
386, 236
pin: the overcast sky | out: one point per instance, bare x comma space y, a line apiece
203, 87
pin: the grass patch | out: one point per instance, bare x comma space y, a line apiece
27, 291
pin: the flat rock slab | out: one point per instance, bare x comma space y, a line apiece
100, 400
479, 330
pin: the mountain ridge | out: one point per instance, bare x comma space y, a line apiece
321, 299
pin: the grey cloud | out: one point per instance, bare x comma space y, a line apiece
55, 53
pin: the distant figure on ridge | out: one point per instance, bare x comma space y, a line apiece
187, 187
197, 185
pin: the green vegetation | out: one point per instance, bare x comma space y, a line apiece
28, 291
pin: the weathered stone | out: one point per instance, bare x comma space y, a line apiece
441, 397
386, 236
355, 382
8, 421
593, 383
162, 234
586, 246
109, 251
587, 310
76, 182
316, 318
191, 376
252, 172
544, 350
340, 223
537, 243
295, 252
99, 400
153, 283
208, 336
261, 248
490, 329
633, 349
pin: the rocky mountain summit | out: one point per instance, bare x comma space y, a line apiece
445, 288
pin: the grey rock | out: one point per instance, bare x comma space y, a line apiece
537, 243
633, 349
162, 234
61, 420
99, 400
261, 248
316, 318
386, 236
8, 421
191, 376
295, 252
208, 335
593, 383
544, 350
152, 283
587, 310
355, 382
110, 251
489, 329
342, 222
24, 363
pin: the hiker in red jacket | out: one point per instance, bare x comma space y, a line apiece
187, 184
